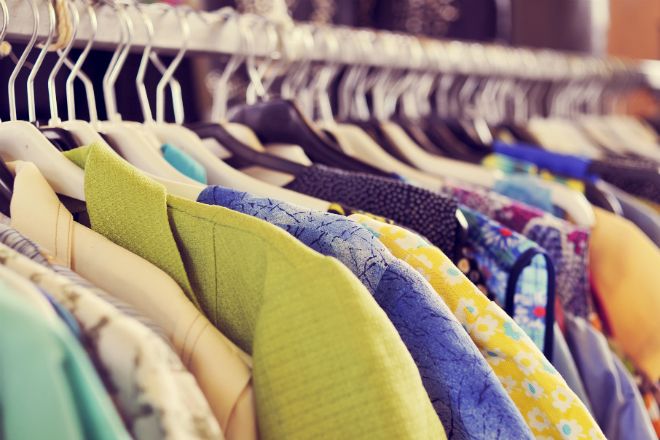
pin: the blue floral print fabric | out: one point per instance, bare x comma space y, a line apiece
518, 272
465, 392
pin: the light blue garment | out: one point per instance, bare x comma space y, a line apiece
48, 386
562, 360
616, 402
474, 408
184, 163
525, 189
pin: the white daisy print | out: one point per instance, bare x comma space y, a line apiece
563, 398
532, 389
540, 437
526, 362
508, 383
569, 429
463, 305
538, 420
493, 356
451, 273
424, 260
595, 434
484, 327
421, 271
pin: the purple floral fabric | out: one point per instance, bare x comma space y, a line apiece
566, 243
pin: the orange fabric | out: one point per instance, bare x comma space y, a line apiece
625, 270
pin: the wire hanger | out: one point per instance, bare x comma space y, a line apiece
133, 140
227, 134
21, 140
61, 138
218, 172
284, 121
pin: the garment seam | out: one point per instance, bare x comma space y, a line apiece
194, 343
214, 224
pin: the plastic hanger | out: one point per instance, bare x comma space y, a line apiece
58, 136
132, 140
86, 134
284, 121
570, 200
229, 135
20, 140
218, 172
363, 145
61, 138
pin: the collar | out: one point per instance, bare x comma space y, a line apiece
37, 212
115, 192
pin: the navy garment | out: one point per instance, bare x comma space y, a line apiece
466, 394
432, 215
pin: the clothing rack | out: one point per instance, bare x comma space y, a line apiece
214, 33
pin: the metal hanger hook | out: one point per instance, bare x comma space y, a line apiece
52, 92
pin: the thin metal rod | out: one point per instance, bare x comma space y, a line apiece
75, 70
52, 91
52, 22
12, 79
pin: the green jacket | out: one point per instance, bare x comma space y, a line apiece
328, 363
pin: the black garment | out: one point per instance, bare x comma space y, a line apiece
433, 215
635, 175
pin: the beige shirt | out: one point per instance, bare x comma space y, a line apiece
223, 371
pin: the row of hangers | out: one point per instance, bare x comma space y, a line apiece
365, 139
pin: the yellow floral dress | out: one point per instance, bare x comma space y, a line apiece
544, 399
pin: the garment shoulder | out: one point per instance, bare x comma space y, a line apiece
229, 225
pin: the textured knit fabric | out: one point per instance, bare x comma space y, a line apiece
617, 404
154, 393
184, 163
327, 361
49, 387
635, 175
550, 408
421, 210
336, 208
443, 352
519, 273
566, 243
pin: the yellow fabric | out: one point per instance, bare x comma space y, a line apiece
222, 370
544, 399
625, 271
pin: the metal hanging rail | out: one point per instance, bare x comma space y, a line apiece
213, 33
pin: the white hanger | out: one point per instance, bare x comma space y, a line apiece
133, 140
20, 140
219, 173
574, 203
358, 143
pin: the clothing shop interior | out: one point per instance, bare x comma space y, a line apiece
330, 219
